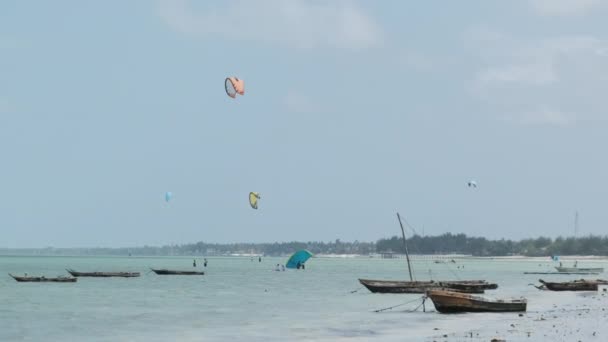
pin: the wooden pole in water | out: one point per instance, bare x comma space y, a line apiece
407, 255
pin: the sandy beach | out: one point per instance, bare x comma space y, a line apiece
551, 316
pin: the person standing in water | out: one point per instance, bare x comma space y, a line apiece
193, 262
259, 259
205, 262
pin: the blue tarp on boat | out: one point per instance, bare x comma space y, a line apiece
299, 256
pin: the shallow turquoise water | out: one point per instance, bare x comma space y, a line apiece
240, 299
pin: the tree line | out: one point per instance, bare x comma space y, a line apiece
478, 246
443, 244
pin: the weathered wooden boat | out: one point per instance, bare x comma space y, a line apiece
562, 273
103, 274
459, 284
579, 269
397, 286
575, 285
450, 302
412, 286
43, 279
175, 272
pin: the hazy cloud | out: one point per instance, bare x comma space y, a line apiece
535, 74
565, 73
297, 102
294, 23
4, 106
566, 7
546, 116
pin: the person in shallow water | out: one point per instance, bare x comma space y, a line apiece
283, 268
277, 268
260, 259
193, 262
205, 262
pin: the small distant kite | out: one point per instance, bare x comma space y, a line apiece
234, 86
253, 199
472, 184
168, 196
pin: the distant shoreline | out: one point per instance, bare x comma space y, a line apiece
414, 257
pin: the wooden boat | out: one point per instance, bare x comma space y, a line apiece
43, 279
575, 285
562, 273
481, 284
103, 274
412, 286
396, 286
449, 302
175, 272
579, 269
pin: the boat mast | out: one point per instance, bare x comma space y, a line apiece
576, 224
407, 255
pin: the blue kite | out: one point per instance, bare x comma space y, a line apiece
298, 258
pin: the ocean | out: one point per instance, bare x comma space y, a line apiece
242, 299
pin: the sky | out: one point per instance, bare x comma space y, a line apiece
353, 111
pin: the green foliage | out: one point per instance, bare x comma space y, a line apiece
443, 244
462, 244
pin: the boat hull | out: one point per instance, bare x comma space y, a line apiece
580, 269
104, 274
454, 302
576, 285
27, 279
389, 286
174, 272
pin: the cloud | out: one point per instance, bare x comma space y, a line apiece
536, 62
296, 102
415, 60
535, 74
565, 7
294, 23
4, 106
546, 116
565, 73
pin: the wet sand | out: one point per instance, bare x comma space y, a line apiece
573, 316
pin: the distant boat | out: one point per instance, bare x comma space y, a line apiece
398, 286
43, 279
449, 302
562, 273
412, 286
579, 269
575, 285
175, 272
103, 274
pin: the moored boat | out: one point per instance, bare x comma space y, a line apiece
450, 302
414, 286
103, 274
579, 269
175, 272
575, 285
563, 273
396, 286
43, 279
